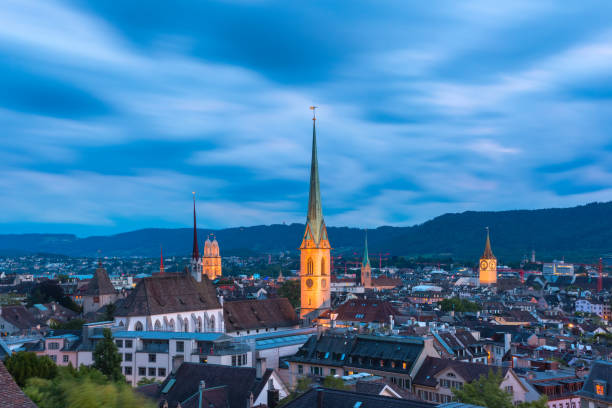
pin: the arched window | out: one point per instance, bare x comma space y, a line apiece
309, 267
323, 266
212, 323
157, 325
185, 325
309, 301
199, 323
121, 323
138, 326
171, 325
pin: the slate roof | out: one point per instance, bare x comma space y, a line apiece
258, 314
365, 310
330, 398
18, 316
10, 393
601, 371
468, 371
360, 351
240, 382
168, 293
100, 284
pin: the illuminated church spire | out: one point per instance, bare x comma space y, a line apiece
315, 249
366, 269
315, 210
488, 253
488, 265
366, 258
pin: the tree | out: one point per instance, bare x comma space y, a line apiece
74, 324
107, 359
485, 392
334, 382
542, 402
50, 291
458, 305
83, 388
26, 364
291, 290
147, 381
109, 312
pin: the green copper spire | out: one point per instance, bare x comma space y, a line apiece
315, 211
366, 258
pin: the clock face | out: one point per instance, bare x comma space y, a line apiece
483, 264
323, 283
309, 283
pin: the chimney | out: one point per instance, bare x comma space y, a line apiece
507, 341
261, 367
201, 392
391, 323
319, 398
273, 395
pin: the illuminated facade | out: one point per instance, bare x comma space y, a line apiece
315, 249
488, 265
211, 261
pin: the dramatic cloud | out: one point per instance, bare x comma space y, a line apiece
112, 113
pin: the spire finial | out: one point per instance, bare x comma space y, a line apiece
314, 112
195, 254
488, 253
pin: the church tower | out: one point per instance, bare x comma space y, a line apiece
488, 265
315, 248
366, 269
195, 265
211, 261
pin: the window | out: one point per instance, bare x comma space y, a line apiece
127, 370
54, 358
65, 358
128, 344
180, 347
322, 266
142, 371
151, 371
509, 389
600, 388
161, 372
300, 369
127, 357
309, 267
152, 358
119, 343
138, 326
54, 346
332, 371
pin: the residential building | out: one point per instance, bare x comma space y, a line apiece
395, 359
99, 291
597, 389
244, 317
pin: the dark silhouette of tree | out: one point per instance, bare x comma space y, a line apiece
291, 290
25, 364
50, 291
106, 357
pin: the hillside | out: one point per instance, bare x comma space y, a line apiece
578, 233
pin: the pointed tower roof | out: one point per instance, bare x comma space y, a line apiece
161, 263
488, 254
315, 210
195, 254
366, 258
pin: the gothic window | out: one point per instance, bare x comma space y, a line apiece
309, 301
171, 325
199, 324
185, 325
212, 323
309, 267
322, 266
157, 325
138, 326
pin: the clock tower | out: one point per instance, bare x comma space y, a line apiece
488, 265
315, 249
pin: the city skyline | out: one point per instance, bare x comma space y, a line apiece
112, 120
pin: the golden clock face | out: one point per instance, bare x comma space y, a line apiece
483, 264
309, 283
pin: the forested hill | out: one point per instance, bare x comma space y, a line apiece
580, 233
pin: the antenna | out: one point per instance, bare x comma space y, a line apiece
314, 112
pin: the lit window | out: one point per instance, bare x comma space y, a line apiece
600, 389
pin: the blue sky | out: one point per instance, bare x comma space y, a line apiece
112, 114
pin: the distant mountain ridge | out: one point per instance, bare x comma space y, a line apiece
581, 233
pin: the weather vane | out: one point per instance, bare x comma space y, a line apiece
314, 113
